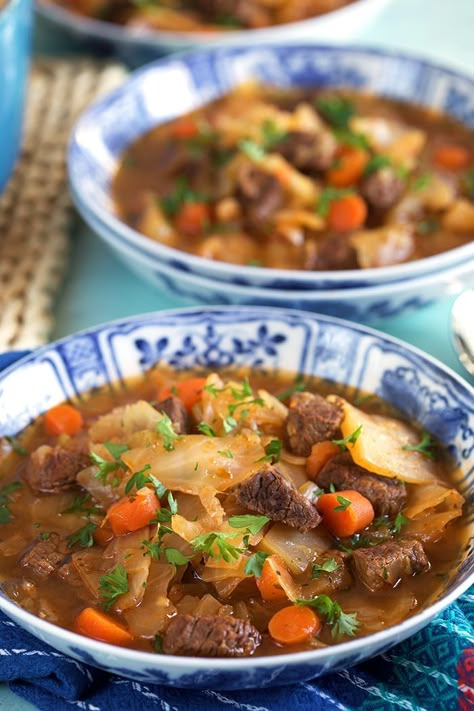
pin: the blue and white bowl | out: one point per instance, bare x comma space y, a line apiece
172, 87
137, 46
418, 385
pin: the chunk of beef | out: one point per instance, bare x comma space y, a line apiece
174, 408
324, 583
311, 418
382, 188
44, 556
334, 251
308, 152
268, 492
51, 470
210, 636
387, 496
385, 564
260, 193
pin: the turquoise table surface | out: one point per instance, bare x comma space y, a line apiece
99, 288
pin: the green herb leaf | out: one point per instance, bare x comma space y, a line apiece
182, 194
13, 442
84, 536
45, 535
168, 435
272, 135
328, 195
116, 450
252, 150
337, 110
298, 387
225, 453
425, 446
398, 523
256, 401
376, 163
172, 503
252, 524
343, 504
158, 644
254, 565
5, 499
230, 423
105, 467
174, 556
206, 429
209, 542
81, 504
350, 439
349, 138
138, 480
272, 451
160, 489
328, 566
340, 622
113, 585
422, 181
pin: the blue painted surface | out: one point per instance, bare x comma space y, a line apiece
15, 42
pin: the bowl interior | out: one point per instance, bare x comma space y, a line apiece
169, 88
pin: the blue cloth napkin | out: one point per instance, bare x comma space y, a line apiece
431, 671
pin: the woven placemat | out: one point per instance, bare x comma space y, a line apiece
35, 210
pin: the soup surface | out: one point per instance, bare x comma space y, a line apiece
226, 515
311, 180
202, 15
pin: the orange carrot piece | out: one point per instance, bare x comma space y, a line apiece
452, 157
269, 584
347, 213
95, 624
63, 419
321, 453
133, 512
189, 391
192, 218
294, 625
345, 512
349, 167
185, 127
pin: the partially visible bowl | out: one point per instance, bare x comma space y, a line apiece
166, 89
137, 46
419, 386
15, 37
362, 304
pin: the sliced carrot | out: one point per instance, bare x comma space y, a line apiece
294, 625
133, 512
349, 167
185, 127
345, 512
321, 453
192, 218
189, 391
95, 624
269, 584
103, 535
347, 213
63, 419
452, 157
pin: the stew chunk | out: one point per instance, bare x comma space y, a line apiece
387, 496
311, 418
44, 556
268, 492
51, 470
174, 408
210, 636
386, 563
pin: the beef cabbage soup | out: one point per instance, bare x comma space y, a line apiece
226, 514
201, 15
307, 179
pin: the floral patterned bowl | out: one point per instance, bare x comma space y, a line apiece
418, 385
168, 88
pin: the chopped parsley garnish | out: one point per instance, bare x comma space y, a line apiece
45, 535
341, 622
138, 479
328, 566
328, 195
376, 163
272, 451
206, 429
81, 504
298, 387
337, 110
271, 134
13, 442
384, 573
158, 644
254, 565
105, 467
349, 138
230, 423
256, 401
225, 453
5, 500
182, 194
399, 521
84, 536
113, 585
350, 439
357, 541
422, 181
343, 504
252, 524
425, 446
116, 450
209, 542
168, 436
252, 150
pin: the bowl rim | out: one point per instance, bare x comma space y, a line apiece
100, 29
225, 271
399, 631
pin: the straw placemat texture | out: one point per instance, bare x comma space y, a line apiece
35, 210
